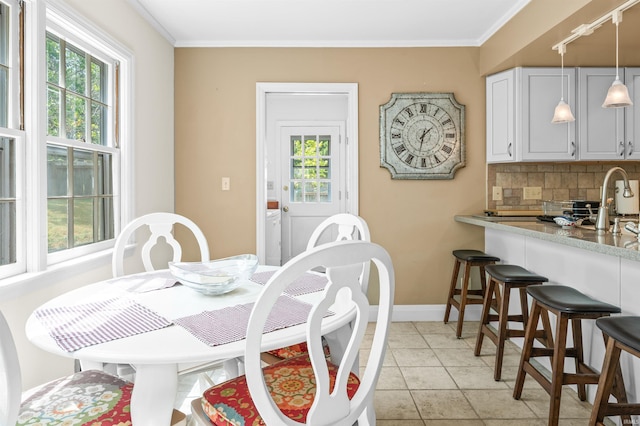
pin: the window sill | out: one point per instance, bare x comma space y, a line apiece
20, 285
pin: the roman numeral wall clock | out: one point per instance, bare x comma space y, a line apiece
422, 136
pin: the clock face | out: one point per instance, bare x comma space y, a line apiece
422, 136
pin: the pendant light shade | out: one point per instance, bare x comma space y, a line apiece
562, 113
618, 95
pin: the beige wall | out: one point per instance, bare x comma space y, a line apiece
215, 137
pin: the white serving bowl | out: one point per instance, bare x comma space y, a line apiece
215, 277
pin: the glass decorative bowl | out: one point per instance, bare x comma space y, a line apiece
215, 277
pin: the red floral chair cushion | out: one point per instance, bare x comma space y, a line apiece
296, 350
291, 383
86, 398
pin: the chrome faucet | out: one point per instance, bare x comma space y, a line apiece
602, 220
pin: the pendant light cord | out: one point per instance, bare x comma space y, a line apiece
617, 75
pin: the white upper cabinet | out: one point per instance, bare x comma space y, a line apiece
521, 102
601, 130
520, 106
632, 115
501, 119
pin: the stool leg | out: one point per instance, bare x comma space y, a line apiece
503, 322
484, 318
526, 348
463, 297
557, 369
609, 367
617, 389
524, 307
576, 326
452, 289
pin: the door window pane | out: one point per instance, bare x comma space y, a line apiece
310, 169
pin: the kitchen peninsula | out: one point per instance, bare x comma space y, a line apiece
604, 266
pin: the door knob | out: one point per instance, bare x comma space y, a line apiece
285, 209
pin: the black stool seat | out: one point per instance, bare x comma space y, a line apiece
513, 273
569, 300
625, 330
474, 256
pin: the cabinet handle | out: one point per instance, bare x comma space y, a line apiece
509, 149
630, 149
621, 149
573, 148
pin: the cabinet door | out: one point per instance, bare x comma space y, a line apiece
632, 114
501, 117
542, 140
601, 130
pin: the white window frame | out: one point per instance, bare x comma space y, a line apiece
55, 16
18, 135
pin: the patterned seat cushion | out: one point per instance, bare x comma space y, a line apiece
86, 398
297, 350
292, 386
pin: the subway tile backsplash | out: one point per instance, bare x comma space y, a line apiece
559, 182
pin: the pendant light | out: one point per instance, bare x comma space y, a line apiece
563, 113
618, 95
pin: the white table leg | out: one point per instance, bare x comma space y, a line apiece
154, 393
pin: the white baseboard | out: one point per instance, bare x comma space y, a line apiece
404, 313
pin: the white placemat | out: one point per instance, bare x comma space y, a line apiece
305, 284
230, 324
76, 326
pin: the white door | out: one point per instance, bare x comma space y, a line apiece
312, 180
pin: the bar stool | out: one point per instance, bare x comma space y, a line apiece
466, 259
567, 304
620, 334
503, 278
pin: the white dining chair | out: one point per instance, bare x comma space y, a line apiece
161, 225
339, 227
79, 399
333, 394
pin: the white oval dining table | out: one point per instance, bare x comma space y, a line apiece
159, 356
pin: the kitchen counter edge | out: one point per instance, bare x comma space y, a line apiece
580, 238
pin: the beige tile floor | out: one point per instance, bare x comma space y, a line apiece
431, 378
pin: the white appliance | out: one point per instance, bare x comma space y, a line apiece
272, 237
627, 205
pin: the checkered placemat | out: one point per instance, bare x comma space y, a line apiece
76, 326
230, 324
305, 284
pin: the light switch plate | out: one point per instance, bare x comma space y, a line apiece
497, 193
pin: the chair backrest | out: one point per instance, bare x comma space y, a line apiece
343, 262
10, 378
160, 225
349, 227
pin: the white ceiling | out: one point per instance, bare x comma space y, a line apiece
328, 23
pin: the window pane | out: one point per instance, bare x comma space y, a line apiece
105, 219
4, 97
53, 59
82, 221
7, 201
105, 180
53, 111
98, 81
310, 146
98, 123
57, 171
325, 168
310, 194
324, 146
296, 192
325, 192
83, 178
76, 117
76, 70
296, 169
57, 222
296, 146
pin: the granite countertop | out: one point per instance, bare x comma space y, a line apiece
625, 246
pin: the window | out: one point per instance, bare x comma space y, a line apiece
79, 147
64, 133
11, 139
